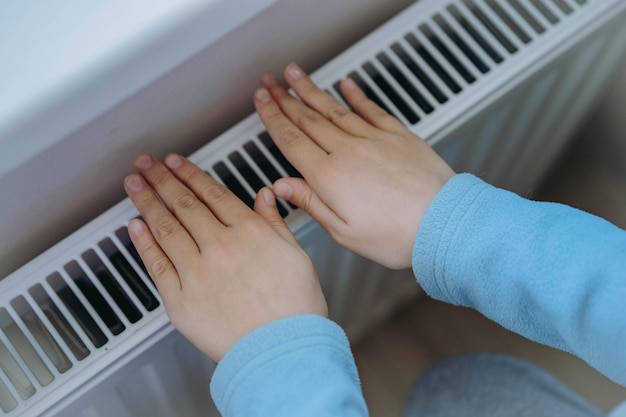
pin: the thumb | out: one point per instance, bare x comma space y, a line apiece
265, 206
297, 191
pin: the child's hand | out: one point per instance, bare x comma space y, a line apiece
222, 269
367, 179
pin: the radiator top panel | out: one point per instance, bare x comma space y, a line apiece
80, 307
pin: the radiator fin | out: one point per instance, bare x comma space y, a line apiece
112, 286
121, 265
527, 16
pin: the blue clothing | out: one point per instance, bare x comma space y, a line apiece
549, 272
298, 366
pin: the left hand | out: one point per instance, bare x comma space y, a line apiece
222, 269
368, 180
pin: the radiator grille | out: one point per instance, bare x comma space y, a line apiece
87, 302
458, 46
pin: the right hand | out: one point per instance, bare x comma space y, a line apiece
367, 179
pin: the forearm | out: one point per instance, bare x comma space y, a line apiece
296, 366
549, 272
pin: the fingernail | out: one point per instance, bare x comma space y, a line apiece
143, 161
350, 84
283, 190
269, 79
269, 198
133, 183
173, 161
262, 95
135, 228
295, 71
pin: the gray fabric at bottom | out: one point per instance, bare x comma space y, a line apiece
484, 385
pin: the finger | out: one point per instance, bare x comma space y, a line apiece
171, 236
224, 205
368, 110
298, 148
197, 219
159, 266
325, 104
265, 206
317, 127
297, 191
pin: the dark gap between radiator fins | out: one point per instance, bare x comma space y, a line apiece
60, 323
25, 349
525, 14
113, 287
461, 44
95, 298
565, 8
263, 163
7, 401
124, 238
41, 333
504, 16
432, 63
268, 143
126, 271
16, 375
391, 93
354, 76
419, 73
233, 184
490, 26
447, 54
77, 310
252, 178
545, 11
406, 85
471, 30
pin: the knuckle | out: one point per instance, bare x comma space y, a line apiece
307, 202
159, 267
307, 117
214, 192
337, 112
159, 177
166, 226
184, 201
290, 136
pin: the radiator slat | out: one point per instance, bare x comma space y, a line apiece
40, 338
61, 319
527, 16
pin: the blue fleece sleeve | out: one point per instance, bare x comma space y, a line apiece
549, 272
298, 366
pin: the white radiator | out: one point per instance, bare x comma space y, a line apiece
495, 86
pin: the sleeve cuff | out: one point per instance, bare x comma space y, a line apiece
437, 229
281, 362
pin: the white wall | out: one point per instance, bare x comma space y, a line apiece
81, 175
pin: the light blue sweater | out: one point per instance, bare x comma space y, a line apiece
549, 272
